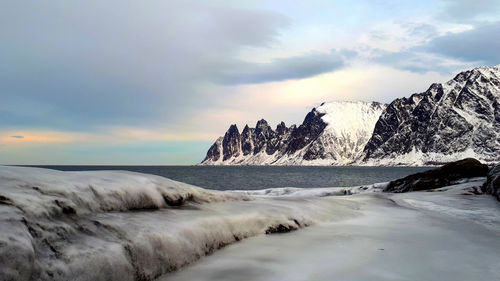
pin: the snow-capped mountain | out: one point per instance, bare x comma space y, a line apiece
450, 121
335, 133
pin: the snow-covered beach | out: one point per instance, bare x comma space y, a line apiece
104, 225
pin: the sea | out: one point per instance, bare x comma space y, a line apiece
261, 177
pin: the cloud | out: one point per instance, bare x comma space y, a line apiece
415, 60
40, 136
281, 69
290, 100
480, 44
129, 72
465, 10
74, 67
441, 47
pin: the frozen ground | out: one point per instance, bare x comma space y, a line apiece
130, 226
412, 236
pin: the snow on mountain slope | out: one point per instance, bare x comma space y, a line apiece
350, 126
335, 133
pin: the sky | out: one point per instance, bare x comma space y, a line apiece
156, 82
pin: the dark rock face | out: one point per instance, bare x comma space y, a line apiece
439, 177
263, 133
447, 118
215, 151
247, 140
310, 129
492, 184
231, 144
263, 139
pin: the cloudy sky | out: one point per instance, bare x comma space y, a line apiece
156, 82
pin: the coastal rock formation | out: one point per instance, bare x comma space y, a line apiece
334, 133
439, 177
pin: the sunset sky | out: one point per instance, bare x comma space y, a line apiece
156, 82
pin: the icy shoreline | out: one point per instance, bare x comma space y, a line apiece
130, 226
107, 225
432, 236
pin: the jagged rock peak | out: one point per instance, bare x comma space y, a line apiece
233, 129
306, 143
262, 123
215, 151
281, 128
231, 144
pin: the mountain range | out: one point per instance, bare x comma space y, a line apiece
450, 121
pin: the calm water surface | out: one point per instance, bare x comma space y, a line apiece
259, 177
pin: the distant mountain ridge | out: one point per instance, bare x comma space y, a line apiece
450, 121
335, 133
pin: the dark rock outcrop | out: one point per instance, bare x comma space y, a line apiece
310, 129
281, 228
492, 184
439, 177
231, 144
215, 151
247, 140
264, 140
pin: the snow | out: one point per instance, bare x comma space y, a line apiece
350, 125
112, 225
314, 192
348, 119
390, 240
419, 158
123, 225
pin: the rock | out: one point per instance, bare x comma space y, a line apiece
215, 151
281, 228
231, 144
439, 177
492, 184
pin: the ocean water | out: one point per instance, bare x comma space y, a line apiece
260, 177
